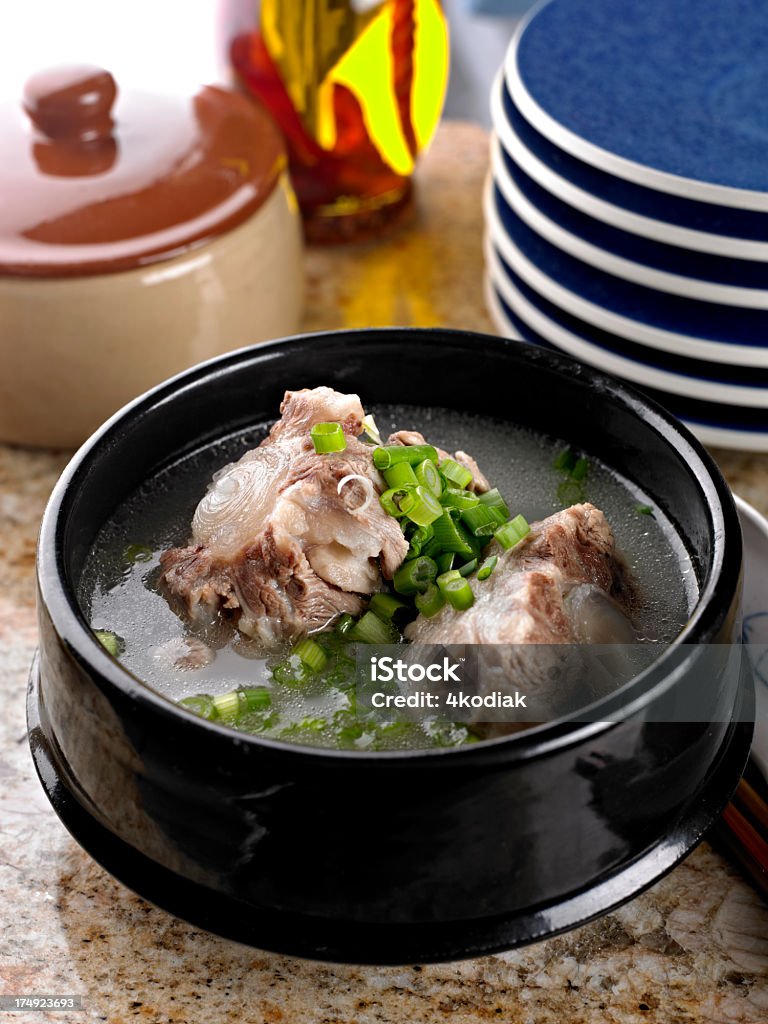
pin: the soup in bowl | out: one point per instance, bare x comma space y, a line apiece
222, 564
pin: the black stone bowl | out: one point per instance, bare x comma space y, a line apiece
387, 857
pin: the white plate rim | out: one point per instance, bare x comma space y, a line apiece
605, 160
598, 316
615, 216
716, 437
610, 263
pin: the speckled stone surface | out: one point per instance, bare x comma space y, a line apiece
692, 949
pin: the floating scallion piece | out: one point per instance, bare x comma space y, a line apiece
446, 577
227, 706
430, 602
113, 643
468, 568
202, 705
390, 454
487, 567
414, 576
311, 654
257, 698
644, 510
137, 553
513, 532
344, 624
421, 506
458, 593
401, 475
565, 461
386, 606
428, 476
455, 473
370, 629
580, 469
328, 437
445, 561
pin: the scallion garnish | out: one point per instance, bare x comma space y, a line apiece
328, 437
468, 568
414, 576
431, 601
344, 624
137, 553
428, 476
483, 520
227, 706
451, 536
565, 461
445, 561
401, 475
390, 454
202, 705
445, 578
513, 532
493, 499
455, 473
311, 654
389, 501
644, 510
487, 567
458, 593
421, 506
386, 606
113, 643
257, 698
454, 497
370, 629
580, 469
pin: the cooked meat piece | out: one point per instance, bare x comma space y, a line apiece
412, 437
274, 544
562, 586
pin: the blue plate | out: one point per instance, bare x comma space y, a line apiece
647, 202
740, 421
670, 259
678, 88
691, 372
672, 313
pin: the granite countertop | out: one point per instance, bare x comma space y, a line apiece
694, 948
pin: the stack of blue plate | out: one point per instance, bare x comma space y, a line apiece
627, 207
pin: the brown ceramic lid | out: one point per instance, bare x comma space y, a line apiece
95, 179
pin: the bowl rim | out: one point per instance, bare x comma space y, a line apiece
57, 597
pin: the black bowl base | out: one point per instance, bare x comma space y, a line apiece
346, 942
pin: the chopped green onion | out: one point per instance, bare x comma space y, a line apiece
137, 553
494, 499
390, 454
256, 699
453, 497
400, 475
419, 536
455, 473
414, 576
487, 567
430, 602
451, 536
202, 705
468, 568
445, 578
580, 469
459, 594
389, 501
570, 492
512, 533
111, 641
445, 561
428, 476
311, 654
433, 547
328, 437
228, 706
386, 606
344, 624
565, 461
369, 629
483, 520
644, 510
421, 506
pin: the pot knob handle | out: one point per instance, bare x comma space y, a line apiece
72, 102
